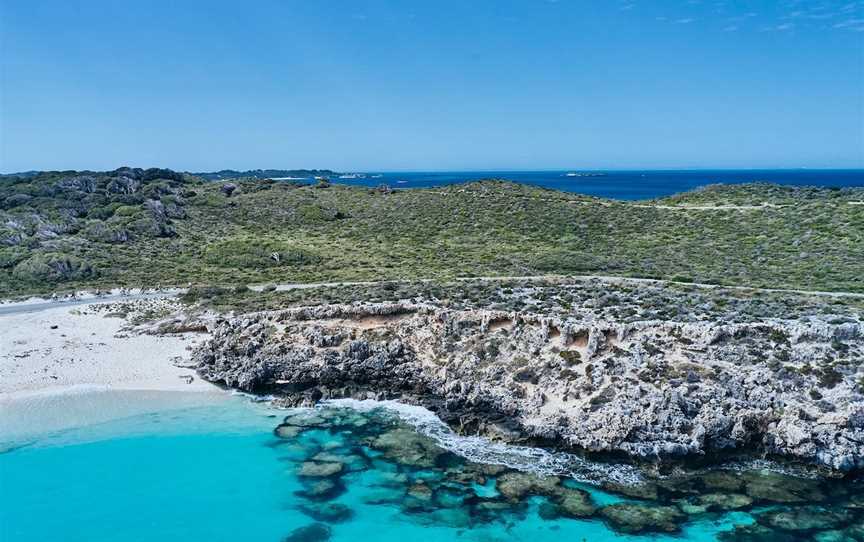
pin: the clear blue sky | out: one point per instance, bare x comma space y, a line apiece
437, 85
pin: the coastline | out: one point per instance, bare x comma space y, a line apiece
144, 340
101, 382
550, 366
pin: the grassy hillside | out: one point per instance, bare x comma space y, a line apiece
134, 227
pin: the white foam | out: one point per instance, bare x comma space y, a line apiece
768, 466
482, 450
252, 397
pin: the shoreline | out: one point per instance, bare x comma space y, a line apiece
655, 390
72, 364
129, 342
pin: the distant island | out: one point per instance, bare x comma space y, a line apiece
287, 174
221, 175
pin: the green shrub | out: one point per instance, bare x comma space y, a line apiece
571, 357
198, 293
54, 267
17, 200
318, 213
249, 253
150, 227
128, 210
829, 377
104, 212
209, 199
102, 232
10, 256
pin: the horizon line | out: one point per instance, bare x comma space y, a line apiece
539, 170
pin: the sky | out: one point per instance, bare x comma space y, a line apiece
387, 85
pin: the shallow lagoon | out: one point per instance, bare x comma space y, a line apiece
217, 471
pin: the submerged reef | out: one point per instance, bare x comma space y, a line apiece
405, 470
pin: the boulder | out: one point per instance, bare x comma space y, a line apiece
638, 518
316, 532
322, 469
327, 512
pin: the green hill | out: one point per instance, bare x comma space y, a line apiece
133, 227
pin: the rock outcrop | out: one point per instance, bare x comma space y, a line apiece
654, 390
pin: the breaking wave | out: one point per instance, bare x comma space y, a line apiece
482, 450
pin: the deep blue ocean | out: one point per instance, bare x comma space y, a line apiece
629, 185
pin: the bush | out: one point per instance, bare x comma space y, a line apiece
53, 267
255, 253
128, 210
17, 200
9, 257
103, 212
318, 213
829, 377
150, 227
105, 233
198, 293
571, 357
208, 199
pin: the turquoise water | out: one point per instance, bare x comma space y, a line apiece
218, 472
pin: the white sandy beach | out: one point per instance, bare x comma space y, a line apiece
76, 364
81, 346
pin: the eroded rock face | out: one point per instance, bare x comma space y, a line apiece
651, 389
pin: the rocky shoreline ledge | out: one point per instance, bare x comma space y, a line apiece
654, 389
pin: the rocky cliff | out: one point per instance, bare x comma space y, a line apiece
651, 389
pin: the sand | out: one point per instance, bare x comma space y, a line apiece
58, 348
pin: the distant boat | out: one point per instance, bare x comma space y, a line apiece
401, 182
353, 176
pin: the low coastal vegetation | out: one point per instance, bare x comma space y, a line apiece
607, 299
156, 227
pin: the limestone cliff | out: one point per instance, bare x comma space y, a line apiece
652, 389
